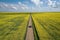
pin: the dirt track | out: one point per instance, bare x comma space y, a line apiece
30, 35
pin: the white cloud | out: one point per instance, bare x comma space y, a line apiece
41, 2
58, 4
19, 6
3, 5
23, 6
19, 3
52, 3
14, 8
37, 2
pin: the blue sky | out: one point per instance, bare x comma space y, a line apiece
29, 5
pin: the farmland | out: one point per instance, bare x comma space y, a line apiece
47, 25
44, 25
13, 26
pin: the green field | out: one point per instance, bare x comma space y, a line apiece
13, 26
46, 25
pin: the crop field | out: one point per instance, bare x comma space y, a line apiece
47, 25
13, 26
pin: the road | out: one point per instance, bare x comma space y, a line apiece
30, 34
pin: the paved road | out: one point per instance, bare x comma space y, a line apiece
30, 35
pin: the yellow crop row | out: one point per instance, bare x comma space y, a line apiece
13, 27
47, 25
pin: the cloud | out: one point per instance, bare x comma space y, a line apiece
58, 4
3, 5
41, 2
37, 2
52, 3
13, 7
9, 6
19, 3
23, 6
39, 6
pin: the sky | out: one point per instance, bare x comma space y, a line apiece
29, 5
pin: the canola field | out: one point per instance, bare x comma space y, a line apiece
13, 26
47, 25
